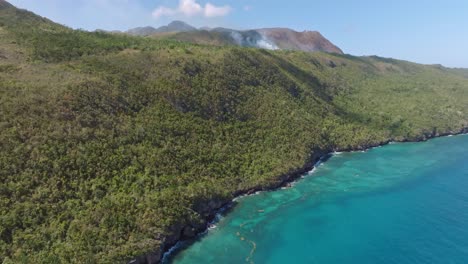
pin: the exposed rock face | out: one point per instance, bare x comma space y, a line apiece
289, 39
150, 258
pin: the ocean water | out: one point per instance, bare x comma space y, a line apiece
401, 203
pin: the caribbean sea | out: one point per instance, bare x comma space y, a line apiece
401, 203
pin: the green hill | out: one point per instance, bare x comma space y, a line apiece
114, 146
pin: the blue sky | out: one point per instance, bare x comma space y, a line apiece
424, 31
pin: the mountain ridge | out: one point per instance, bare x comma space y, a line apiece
5, 4
173, 27
267, 38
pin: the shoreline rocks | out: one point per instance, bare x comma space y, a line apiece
192, 230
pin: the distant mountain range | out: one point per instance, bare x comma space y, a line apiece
173, 27
267, 38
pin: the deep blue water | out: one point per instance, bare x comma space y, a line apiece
402, 203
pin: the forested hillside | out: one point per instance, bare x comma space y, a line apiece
113, 146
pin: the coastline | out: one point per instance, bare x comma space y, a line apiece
219, 207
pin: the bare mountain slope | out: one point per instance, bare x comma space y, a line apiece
267, 38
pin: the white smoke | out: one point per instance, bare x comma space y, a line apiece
262, 43
237, 37
265, 44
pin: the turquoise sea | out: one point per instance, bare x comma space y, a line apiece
401, 203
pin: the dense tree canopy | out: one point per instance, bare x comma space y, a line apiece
108, 142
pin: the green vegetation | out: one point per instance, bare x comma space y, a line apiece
110, 143
203, 37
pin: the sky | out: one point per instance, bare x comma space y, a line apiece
423, 31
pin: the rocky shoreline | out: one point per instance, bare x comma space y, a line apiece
214, 207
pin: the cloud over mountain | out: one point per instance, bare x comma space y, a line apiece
191, 8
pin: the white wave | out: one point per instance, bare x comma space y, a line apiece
169, 253
211, 227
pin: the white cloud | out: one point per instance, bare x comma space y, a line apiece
163, 11
247, 8
215, 11
192, 8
